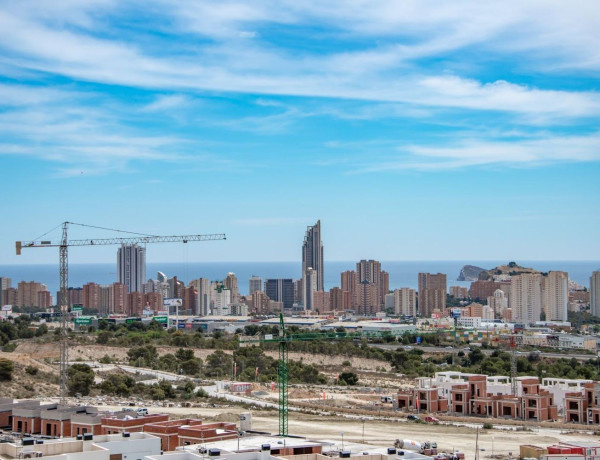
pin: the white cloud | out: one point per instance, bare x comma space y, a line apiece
481, 152
167, 102
392, 37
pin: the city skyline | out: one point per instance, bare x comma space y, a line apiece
412, 130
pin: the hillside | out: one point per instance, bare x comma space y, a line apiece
469, 273
506, 271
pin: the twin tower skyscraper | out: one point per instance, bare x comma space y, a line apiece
312, 265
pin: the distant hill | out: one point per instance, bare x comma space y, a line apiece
469, 273
473, 273
511, 269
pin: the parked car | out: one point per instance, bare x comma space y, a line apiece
430, 419
142, 411
412, 417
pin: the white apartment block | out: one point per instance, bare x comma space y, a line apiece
405, 301
498, 302
526, 297
595, 293
556, 296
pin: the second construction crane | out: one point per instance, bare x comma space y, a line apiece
63, 301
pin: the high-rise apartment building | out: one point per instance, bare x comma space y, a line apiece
595, 293
159, 285
105, 293
312, 258
5, 285
75, 296
220, 298
118, 298
175, 287
384, 285
203, 293
367, 298
556, 296
309, 285
231, 283
432, 293
131, 267
260, 303
348, 284
91, 294
153, 301
298, 291
369, 272
526, 297
405, 302
280, 290
336, 299
135, 304
254, 284
33, 294
459, 292
498, 302
321, 301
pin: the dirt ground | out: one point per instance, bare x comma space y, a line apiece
500, 442
93, 352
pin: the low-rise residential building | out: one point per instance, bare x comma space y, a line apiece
120, 422
175, 433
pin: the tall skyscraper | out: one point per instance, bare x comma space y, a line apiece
280, 290
310, 287
369, 271
526, 297
348, 285
556, 296
203, 293
231, 283
595, 293
371, 286
432, 293
254, 284
131, 267
312, 257
5, 285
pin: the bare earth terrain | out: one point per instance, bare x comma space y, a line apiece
502, 441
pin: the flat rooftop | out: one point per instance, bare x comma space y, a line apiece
254, 443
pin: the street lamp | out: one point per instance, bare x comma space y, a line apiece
342, 434
363, 434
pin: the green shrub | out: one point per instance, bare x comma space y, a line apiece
31, 370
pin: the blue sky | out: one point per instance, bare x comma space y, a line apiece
415, 130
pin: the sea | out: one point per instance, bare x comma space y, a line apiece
402, 273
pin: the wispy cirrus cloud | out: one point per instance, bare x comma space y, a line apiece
85, 48
473, 152
362, 60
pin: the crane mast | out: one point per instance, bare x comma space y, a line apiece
283, 339
63, 301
